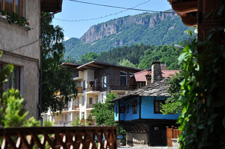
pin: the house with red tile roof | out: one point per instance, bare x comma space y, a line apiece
142, 78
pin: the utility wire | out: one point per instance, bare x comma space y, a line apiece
118, 7
80, 20
24, 45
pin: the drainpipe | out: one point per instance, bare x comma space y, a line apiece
40, 72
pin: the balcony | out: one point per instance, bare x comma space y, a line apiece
58, 137
65, 108
75, 107
93, 89
89, 106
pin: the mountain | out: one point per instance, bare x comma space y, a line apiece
147, 28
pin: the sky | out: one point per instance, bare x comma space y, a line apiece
75, 11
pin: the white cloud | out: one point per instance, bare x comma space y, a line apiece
66, 38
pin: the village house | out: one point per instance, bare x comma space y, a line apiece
94, 80
143, 78
21, 46
138, 111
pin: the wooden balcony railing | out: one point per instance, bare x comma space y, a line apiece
58, 137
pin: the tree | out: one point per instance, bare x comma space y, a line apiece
89, 57
126, 62
173, 104
54, 77
12, 112
104, 114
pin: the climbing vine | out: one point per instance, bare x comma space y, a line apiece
202, 120
14, 18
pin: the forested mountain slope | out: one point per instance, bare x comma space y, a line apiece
147, 28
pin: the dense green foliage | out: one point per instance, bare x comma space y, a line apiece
202, 93
54, 77
173, 104
138, 55
162, 30
126, 62
12, 112
165, 54
104, 114
12, 109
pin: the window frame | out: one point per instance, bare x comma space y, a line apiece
90, 99
125, 78
135, 107
18, 84
104, 82
14, 6
159, 108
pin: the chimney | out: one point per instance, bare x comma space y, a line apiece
156, 72
163, 66
148, 78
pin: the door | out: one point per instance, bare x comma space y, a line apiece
157, 136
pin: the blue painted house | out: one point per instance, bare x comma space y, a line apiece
138, 112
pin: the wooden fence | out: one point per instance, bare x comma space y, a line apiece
172, 133
58, 137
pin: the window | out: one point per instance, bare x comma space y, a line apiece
104, 82
96, 99
83, 101
157, 106
12, 6
90, 101
13, 79
141, 84
84, 83
82, 115
128, 109
123, 78
135, 107
131, 74
102, 98
116, 111
122, 109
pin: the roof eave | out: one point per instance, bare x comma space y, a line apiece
187, 10
54, 6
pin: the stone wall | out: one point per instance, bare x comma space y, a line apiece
137, 139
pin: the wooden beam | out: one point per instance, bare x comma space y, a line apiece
190, 20
185, 7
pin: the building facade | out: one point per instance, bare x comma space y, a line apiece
138, 112
21, 46
94, 81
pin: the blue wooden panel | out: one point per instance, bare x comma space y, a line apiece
147, 109
130, 116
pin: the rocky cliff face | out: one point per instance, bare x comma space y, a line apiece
148, 28
98, 32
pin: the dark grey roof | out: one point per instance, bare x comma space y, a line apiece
157, 89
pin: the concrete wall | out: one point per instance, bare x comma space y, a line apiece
13, 37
